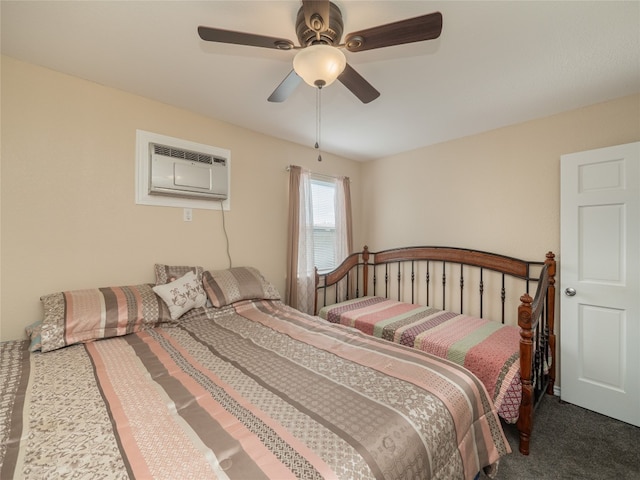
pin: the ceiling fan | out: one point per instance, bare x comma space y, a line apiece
320, 61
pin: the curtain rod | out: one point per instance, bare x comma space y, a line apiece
326, 175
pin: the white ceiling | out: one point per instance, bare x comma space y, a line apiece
495, 64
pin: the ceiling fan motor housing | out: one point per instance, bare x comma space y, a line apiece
331, 34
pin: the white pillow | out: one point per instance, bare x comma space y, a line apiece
182, 294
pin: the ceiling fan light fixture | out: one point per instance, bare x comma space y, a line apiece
319, 65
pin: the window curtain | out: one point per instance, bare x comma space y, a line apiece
300, 283
344, 233
300, 287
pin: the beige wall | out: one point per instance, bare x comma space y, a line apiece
69, 218
497, 191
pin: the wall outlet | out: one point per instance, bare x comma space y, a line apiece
187, 215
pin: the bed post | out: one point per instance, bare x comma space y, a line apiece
525, 418
365, 270
551, 308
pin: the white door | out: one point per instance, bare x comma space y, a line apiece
600, 281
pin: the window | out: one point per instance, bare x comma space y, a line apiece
323, 199
319, 232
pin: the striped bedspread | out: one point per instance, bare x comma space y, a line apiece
257, 390
489, 349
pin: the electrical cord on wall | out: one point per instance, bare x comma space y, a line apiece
226, 236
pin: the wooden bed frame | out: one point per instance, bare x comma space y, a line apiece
408, 275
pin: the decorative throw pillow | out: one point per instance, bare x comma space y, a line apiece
170, 273
225, 287
80, 316
182, 294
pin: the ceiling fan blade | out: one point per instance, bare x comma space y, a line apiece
286, 87
418, 29
358, 85
240, 38
316, 14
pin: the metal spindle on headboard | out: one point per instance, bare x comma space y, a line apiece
444, 284
386, 280
481, 291
538, 357
375, 280
347, 282
399, 264
413, 281
503, 296
461, 287
427, 279
545, 339
324, 295
541, 355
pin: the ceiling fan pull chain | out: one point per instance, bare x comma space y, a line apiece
317, 118
318, 121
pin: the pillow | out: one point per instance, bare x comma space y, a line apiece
170, 273
34, 334
182, 294
80, 316
225, 287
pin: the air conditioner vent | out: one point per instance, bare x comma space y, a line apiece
173, 152
174, 172
187, 173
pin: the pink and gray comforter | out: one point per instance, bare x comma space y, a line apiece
489, 349
257, 390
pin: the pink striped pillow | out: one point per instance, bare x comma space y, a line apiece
225, 287
81, 316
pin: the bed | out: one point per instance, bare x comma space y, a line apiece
454, 303
207, 374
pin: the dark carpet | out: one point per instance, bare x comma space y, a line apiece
569, 442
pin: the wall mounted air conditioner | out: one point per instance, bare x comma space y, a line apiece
173, 172
188, 174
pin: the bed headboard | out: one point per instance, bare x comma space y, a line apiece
457, 279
